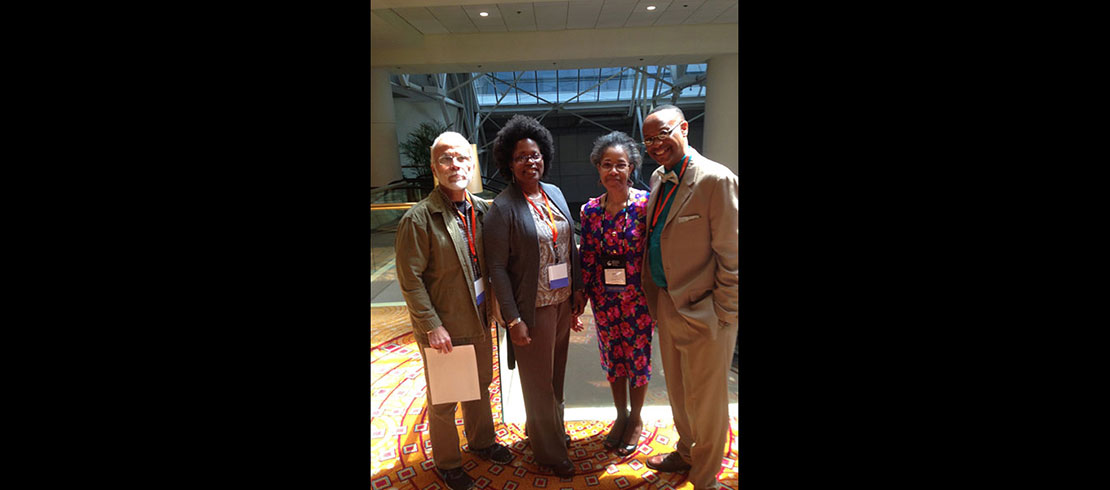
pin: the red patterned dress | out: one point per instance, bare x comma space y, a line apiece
624, 327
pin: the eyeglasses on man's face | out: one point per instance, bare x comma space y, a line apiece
446, 160
621, 166
535, 157
664, 134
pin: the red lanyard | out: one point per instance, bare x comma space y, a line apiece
659, 206
469, 232
554, 232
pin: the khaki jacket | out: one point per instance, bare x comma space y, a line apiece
700, 245
433, 269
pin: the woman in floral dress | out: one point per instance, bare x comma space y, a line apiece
613, 243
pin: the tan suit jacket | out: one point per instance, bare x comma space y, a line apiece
699, 244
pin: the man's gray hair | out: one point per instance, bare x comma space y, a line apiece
445, 135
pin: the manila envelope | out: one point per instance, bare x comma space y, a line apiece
452, 377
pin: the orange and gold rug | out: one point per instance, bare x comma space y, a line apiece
401, 454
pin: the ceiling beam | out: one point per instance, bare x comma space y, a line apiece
567, 49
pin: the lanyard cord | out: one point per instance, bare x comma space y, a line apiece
624, 222
469, 231
554, 231
659, 206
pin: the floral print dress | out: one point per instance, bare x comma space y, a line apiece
624, 327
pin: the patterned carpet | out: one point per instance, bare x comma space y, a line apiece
401, 453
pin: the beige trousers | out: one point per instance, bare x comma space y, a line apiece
543, 365
477, 417
696, 369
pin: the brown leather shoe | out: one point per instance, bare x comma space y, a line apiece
668, 463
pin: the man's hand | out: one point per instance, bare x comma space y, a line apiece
440, 340
579, 304
578, 327
519, 334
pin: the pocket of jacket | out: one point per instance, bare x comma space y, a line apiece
683, 219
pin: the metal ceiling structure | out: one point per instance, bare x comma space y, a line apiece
593, 95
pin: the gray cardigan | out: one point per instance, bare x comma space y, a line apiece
513, 255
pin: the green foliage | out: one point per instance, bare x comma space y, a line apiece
417, 149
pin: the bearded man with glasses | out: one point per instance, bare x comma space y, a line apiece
445, 282
690, 277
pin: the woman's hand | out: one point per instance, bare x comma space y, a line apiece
579, 304
519, 334
578, 327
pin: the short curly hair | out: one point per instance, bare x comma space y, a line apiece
623, 142
520, 127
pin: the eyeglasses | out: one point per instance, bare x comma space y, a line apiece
535, 157
664, 134
622, 166
447, 159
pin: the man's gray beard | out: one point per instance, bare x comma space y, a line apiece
455, 186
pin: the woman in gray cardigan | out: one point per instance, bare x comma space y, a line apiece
534, 270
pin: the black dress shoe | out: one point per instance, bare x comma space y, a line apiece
495, 452
564, 469
668, 463
456, 479
624, 448
612, 440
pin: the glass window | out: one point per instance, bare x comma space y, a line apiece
568, 84
484, 87
556, 86
546, 81
587, 79
628, 81
527, 82
609, 89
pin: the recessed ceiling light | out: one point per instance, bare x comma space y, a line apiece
484, 14
651, 7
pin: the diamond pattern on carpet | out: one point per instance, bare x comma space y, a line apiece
401, 454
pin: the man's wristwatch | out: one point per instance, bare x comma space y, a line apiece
514, 322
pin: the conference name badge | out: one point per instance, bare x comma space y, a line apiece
480, 289
614, 272
557, 274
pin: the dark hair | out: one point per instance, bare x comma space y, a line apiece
623, 142
665, 107
520, 127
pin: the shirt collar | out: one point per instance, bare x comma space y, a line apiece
672, 174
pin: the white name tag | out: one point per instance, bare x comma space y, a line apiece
557, 275
614, 277
480, 290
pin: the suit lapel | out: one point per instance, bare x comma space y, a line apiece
684, 191
656, 184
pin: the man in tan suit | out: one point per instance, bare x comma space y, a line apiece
690, 278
